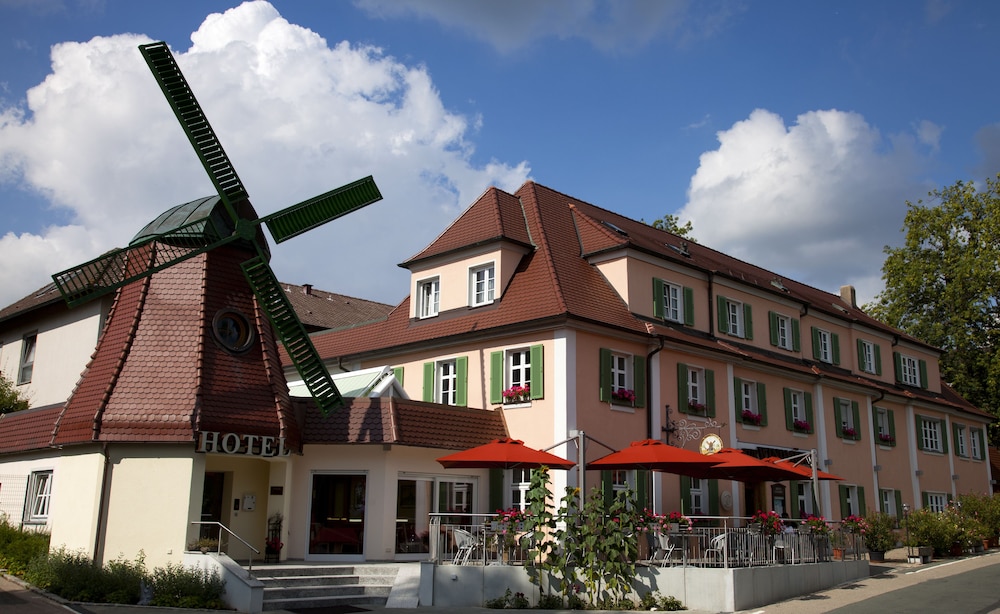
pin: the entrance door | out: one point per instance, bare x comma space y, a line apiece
338, 514
212, 498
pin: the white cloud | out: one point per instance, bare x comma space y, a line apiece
297, 117
815, 202
512, 24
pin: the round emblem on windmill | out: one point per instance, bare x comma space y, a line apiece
233, 331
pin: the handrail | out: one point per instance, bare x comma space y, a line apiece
230, 531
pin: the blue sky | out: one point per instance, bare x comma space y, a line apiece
791, 133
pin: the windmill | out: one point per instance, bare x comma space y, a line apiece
210, 223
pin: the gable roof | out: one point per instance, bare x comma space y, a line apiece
319, 310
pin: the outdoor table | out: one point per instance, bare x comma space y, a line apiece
689, 543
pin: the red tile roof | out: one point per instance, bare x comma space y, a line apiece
319, 310
26, 430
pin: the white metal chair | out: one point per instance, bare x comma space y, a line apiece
665, 549
465, 544
717, 549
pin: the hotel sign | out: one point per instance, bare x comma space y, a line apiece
238, 443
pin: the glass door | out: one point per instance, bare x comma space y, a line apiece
337, 521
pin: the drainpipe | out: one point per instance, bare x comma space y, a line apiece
99, 528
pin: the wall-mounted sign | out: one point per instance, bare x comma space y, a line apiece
237, 443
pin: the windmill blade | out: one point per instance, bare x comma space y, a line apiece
293, 335
181, 99
120, 267
309, 214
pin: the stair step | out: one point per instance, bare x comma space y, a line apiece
294, 586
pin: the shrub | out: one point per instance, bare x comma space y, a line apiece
19, 547
927, 528
879, 533
182, 587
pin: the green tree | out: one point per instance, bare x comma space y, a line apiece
943, 286
11, 399
672, 224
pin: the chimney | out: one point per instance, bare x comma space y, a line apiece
849, 296
307, 289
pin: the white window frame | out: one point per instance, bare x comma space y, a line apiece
847, 416
796, 398
518, 367
446, 382
749, 396
910, 370
26, 367
937, 501
622, 479
930, 435
621, 371
825, 339
428, 297
734, 316
519, 485
783, 330
961, 448
482, 285
673, 302
888, 499
868, 352
974, 439
804, 495
698, 496
853, 507
882, 421
695, 384
39, 497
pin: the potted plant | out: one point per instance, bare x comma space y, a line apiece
801, 426
750, 417
623, 396
770, 522
516, 394
697, 408
879, 535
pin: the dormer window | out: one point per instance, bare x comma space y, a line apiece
428, 297
482, 281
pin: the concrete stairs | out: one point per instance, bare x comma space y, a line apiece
295, 586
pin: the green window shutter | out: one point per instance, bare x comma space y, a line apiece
772, 327
496, 378
713, 497
879, 500
682, 388
856, 410
762, 403
659, 309
397, 372
796, 337
944, 437
607, 488
738, 396
537, 372
429, 382
462, 384
838, 418
642, 490
496, 489
710, 392
861, 354
919, 422
815, 341
899, 503
747, 321
955, 438
923, 373
897, 360
807, 400
722, 315
605, 376
925, 499
835, 347
861, 501
878, 360
789, 419
875, 423
685, 495
891, 419
845, 509
639, 380
688, 306
793, 498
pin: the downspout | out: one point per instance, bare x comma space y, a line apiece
99, 528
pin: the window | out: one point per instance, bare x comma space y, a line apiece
976, 443
27, 358
446, 381
935, 501
852, 501
520, 484
885, 426
428, 297
673, 302
847, 415
929, 435
622, 378
798, 411
481, 285
516, 375
622, 480
39, 496
869, 357
958, 430
696, 390
804, 498
784, 331
890, 501
751, 402
697, 495
826, 346
910, 371
735, 318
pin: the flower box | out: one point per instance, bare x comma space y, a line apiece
801, 426
849, 432
516, 394
623, 396
697, 408
749, 417
886, 439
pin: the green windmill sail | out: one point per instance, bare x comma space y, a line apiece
199, 226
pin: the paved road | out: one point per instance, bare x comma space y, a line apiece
15, 599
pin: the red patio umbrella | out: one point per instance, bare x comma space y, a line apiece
804, 471
654, 455
503, 454
732, 464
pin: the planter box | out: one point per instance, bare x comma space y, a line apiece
923, 555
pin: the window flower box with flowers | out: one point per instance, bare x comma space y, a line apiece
854, 524
801, 426
818, 525
751, 418
886, 439
770, 522
516, 394
623, 396
849, 432
699, 409
508, 524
